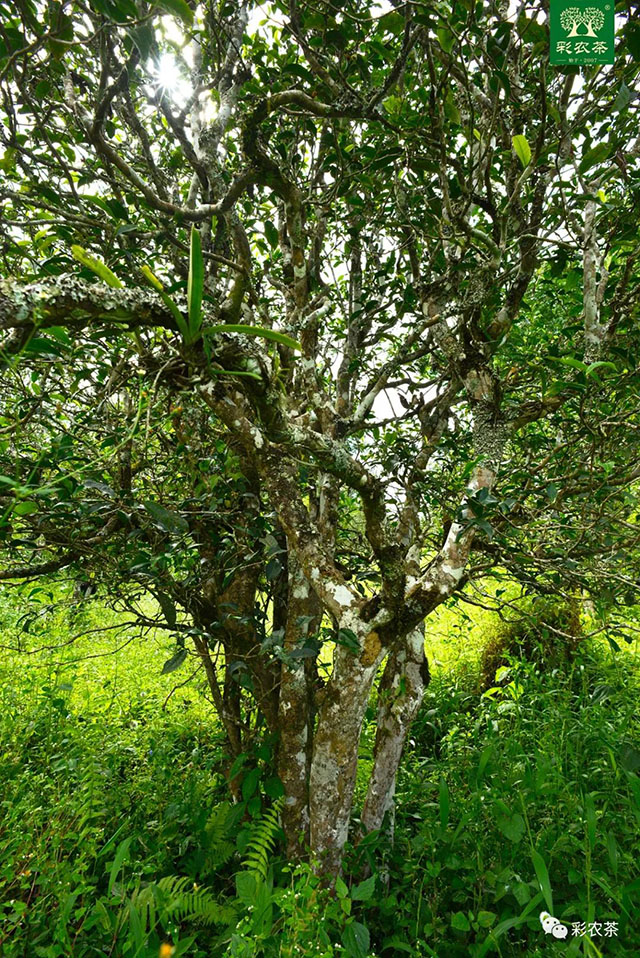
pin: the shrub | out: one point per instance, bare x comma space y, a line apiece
542, 630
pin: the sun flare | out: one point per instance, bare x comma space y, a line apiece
167, 74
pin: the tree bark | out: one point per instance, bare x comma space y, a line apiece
335, 750
295, 714
405, 678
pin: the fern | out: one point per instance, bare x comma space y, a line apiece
175, 899
219, 830
254, 886
263, 841
179, 899
172, 899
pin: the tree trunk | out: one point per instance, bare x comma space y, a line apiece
295, 713
335, 750
405, 677
229, 716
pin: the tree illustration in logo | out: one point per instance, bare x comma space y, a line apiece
590, 17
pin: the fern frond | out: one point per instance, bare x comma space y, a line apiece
263, 841
178, 898
220, 830
173, 899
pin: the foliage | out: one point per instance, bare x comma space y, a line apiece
104, 799
547, 767
544, 631
311, 318
116, 833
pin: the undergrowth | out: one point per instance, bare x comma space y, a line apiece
116, 834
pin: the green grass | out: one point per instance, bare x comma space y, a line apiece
546, 768
92, 763
116, 833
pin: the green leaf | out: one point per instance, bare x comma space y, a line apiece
623, 98
271, 233
486, 918
177, 315
168, 608
99, 487
348, 639
593, 156
237, 765
122, 10
169, 521
122, 854
446, 39
174, 662
135, 925
8, 161
179, 8
484, 526
11, 483
195, 284
612, 852
451, 111
235, 372
273, 787
552, 491
261, 331
510, 923
61, 334
630, 758
600, 364
511, 826
25, 508
96, 266
341, 889
42, 346
396, 944
272, 570
144, 38
155, 282
356, 940
246, 883
250, 783
543, 878
590, 818
392, 104
522, 148
364, 891
570, 361
486, 755
304, 652
460, 922
443, 800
